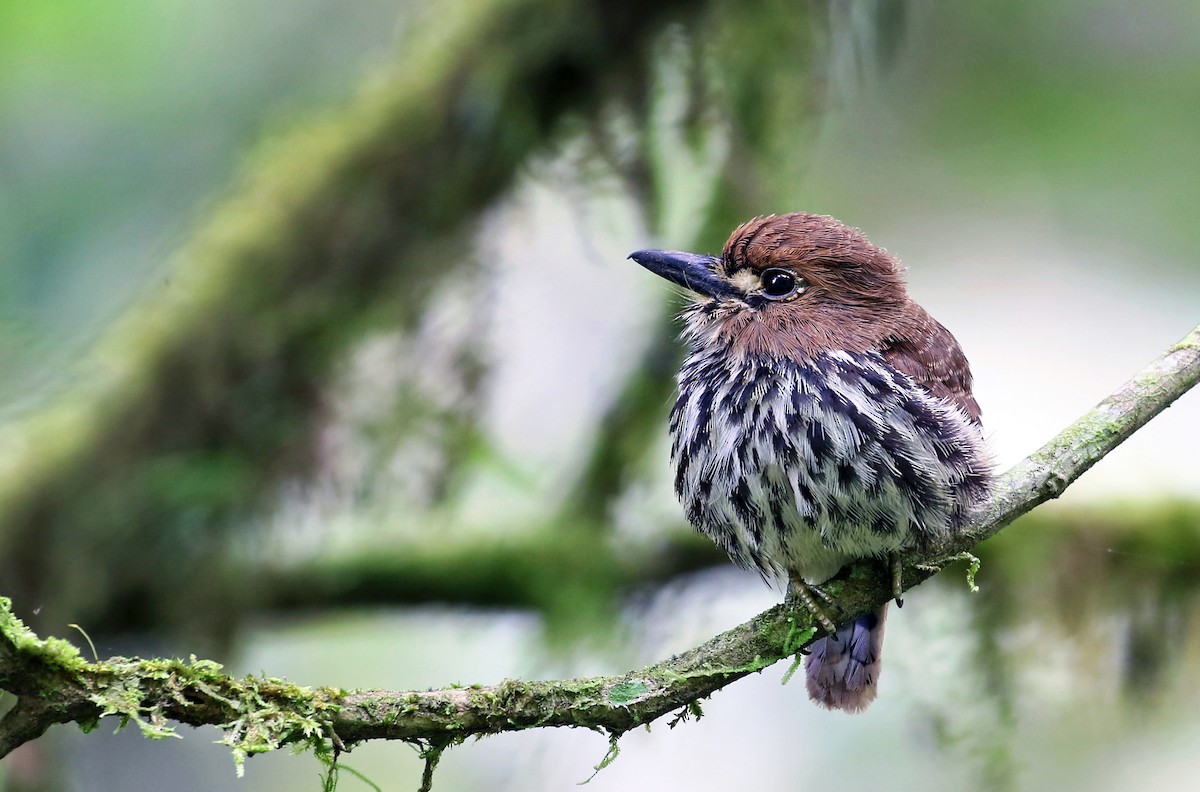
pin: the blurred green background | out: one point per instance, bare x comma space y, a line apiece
319, 356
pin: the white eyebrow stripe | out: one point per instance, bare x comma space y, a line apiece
745, 280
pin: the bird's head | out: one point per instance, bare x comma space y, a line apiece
792, 285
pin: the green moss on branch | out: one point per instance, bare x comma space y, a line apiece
54, 685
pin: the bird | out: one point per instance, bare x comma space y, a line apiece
822, 417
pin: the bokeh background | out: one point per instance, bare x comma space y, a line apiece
319, 356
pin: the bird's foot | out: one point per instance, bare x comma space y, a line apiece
807, 595
897, 578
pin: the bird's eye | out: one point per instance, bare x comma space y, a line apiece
778, 283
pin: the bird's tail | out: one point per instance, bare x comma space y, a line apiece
843, 672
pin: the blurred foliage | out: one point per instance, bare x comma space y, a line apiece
1049, 554
1072, 570
212, 389
350, 235
117, 123
1078, 111
152, 486
209, 394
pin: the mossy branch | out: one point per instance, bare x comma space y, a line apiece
53, 684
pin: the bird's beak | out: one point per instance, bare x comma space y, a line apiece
689, 270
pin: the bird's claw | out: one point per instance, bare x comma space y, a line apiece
897, 579
807, 595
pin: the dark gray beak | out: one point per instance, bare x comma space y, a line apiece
689, 270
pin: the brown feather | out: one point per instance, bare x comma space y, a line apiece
930, 354
856, 301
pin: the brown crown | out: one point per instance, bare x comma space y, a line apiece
827, 253
856, 302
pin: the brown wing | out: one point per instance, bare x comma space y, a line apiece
932, 357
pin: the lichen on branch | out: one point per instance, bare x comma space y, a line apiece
54, 684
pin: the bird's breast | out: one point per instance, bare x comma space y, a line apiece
802, 467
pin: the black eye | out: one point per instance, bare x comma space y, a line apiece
778, 283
